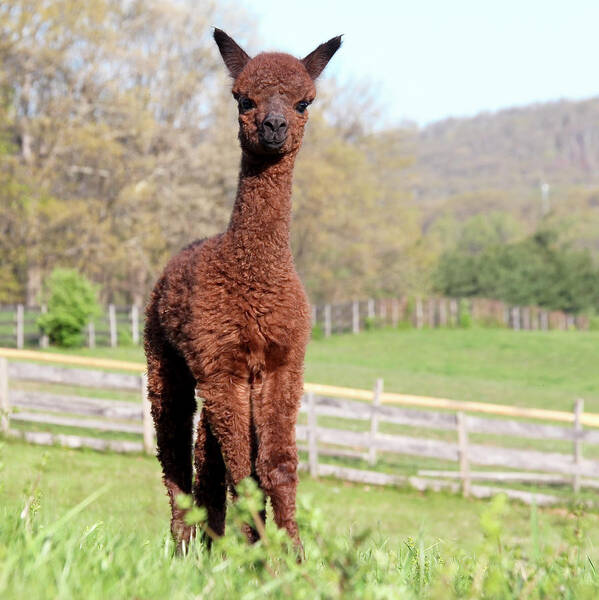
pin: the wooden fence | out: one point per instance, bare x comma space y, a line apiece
18, 326
357, 315
374, 409
62, 410
18, 323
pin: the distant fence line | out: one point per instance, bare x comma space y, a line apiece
373, 408
357, 315
116, 326
122, 324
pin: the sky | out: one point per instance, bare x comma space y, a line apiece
432, 59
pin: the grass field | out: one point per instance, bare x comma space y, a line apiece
547, 369
418, 545
414, 540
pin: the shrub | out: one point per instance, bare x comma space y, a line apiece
72, 303
317, 332
464, 316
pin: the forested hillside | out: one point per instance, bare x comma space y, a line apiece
522, 168
519, 148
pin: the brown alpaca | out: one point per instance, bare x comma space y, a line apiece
229, 315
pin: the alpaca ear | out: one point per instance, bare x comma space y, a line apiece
235, 58
318, 59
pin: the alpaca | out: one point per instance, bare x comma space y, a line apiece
229, 315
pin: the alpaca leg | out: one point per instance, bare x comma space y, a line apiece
275, 412
227, 411
171, 393
210, 489
252, 531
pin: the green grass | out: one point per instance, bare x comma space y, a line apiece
527, 368
419, 545
432, 545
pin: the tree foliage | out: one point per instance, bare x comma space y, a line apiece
537, 270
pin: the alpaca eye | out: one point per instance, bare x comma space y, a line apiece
246, 104
301, 106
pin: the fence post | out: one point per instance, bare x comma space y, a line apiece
430, 312
146, 415
312, 436
463, 453
419, 313
327, 320
91, 335
20, 326
355, 316
44, 341
135, 324
374, 420
442, 312
453, 312
516, 318
394, 312
370, 309
313, 315
383, 310
4, 403
578, 410
112, 325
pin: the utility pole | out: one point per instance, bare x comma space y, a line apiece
545, 202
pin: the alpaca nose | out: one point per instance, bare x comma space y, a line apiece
274, 128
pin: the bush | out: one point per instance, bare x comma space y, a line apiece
72, 303
317, 332
371, 323
464, 316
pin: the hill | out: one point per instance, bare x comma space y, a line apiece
518, 148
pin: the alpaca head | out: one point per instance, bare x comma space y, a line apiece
273, 91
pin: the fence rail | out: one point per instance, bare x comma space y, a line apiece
374, 409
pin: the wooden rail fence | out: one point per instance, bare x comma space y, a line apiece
357, 315
18, 323
369, 445
18, 326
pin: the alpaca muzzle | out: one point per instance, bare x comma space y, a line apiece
273, 131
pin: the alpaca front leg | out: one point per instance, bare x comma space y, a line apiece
276, 463
210, 489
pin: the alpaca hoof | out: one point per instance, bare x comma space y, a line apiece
299, 550
182, 535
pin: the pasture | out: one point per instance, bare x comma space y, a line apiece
413, 546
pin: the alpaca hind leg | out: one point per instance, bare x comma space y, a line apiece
210, 488
171, 393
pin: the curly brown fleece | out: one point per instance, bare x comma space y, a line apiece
229, 315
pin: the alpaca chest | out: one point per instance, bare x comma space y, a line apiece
268, 333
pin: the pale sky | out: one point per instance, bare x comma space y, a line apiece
430, 59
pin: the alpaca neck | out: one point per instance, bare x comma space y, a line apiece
261, 215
